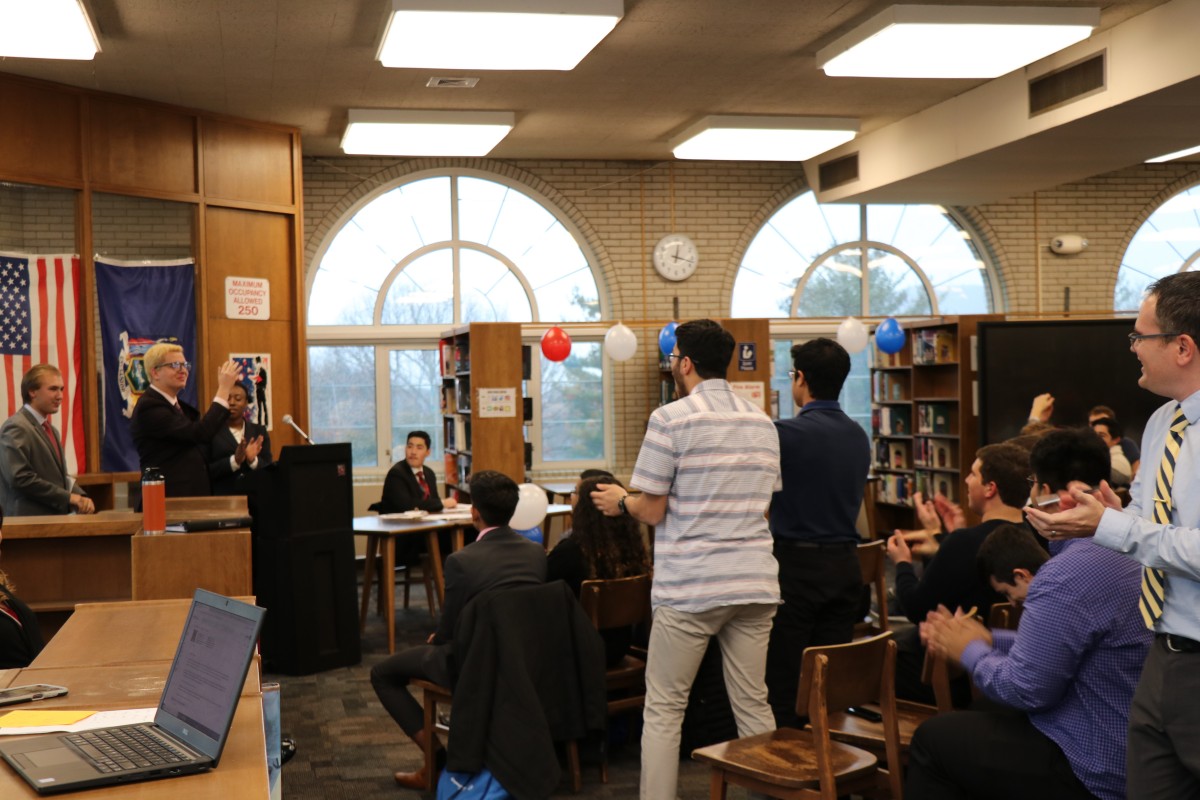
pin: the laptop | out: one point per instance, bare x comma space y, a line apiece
190, 726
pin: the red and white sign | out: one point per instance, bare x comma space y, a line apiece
247, 298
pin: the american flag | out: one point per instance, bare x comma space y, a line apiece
39, 323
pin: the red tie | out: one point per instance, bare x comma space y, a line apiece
424, 485
53, 441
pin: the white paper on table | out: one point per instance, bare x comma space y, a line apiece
101, 719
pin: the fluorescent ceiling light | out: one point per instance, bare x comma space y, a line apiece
46, 29
495, 34
1172, 156
955, 41
385, 132
736, 138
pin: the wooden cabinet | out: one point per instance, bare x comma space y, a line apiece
484, 371
924, 417
749, 370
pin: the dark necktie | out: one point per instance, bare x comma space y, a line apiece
424, 485
54, 447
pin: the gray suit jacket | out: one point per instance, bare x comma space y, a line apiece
33, 479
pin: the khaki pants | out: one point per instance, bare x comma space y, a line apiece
677, 644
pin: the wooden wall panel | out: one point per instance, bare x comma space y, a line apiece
143, 147
259, 245
41, 133
247, 163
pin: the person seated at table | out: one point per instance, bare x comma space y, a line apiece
498, 558
20, 637
411, 485
237, 449
600, 547
1066, 675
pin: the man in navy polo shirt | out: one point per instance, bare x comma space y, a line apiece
824, 456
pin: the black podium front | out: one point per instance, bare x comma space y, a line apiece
303, 511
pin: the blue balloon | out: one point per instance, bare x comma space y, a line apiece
889, 336
534, 535
666, 338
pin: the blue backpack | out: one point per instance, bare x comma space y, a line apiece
466, 786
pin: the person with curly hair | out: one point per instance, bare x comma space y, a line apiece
599, 547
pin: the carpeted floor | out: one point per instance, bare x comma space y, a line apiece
348, 747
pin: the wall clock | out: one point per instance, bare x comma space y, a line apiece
675, 257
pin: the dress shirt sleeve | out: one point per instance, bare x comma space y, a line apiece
654, 471
1172, 548
1041, 660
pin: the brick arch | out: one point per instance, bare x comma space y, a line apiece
993, 249
401, 172
785, 194
1170, 190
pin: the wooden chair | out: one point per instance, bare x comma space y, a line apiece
872, 558
1004, 616
619, 603
789, 763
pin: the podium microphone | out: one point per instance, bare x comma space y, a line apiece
287, 420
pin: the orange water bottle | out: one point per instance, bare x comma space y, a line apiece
154, 501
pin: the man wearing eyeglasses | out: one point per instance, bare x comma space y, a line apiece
170, 434
1160, 529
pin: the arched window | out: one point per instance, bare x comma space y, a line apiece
813, 260
1167, 242
432, 253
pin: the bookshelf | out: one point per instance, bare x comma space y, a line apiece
749, 377
484, 401
924, 417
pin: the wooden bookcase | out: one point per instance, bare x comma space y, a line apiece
484, 371
924, 417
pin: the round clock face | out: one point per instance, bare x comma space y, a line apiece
675, 257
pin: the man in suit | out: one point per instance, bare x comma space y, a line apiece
498, 558
238, 449
33, 464
170, 434
410, 484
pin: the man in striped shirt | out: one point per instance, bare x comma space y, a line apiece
706, 470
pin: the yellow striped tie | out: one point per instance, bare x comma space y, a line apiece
1154, 581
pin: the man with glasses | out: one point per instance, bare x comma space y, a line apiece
1160, 530
170, 434
706, 470
824, 457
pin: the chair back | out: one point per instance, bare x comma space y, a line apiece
1004, 616
616, 602
872, 558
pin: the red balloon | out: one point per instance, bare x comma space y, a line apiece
556, 344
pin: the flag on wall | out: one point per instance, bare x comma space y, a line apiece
39, 324
141, 303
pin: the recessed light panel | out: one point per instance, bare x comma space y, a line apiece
46, 29
746, 138
918, 41
384, 132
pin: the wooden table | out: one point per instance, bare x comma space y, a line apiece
563, 489
381, 542
129, 671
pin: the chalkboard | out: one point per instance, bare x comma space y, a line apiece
1083, 363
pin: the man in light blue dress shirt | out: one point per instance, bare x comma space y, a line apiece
1164, 722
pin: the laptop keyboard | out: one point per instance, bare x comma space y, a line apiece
124, 749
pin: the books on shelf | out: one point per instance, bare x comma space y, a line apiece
895, 489
891, 420
938, 453
933, 418
883, 359
934, 346
890, 386
891, 455
931, 483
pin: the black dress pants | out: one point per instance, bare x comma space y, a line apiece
988, 755
390, 679
1163, 760
821, 588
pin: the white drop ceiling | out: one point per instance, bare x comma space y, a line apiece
667, 64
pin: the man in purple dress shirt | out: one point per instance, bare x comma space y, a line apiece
1066, 676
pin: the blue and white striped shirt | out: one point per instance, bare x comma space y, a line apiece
716, 458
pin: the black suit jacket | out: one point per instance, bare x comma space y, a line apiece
401, 492
225, 480
19, 644
176, 443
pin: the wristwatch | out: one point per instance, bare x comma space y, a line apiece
621, 504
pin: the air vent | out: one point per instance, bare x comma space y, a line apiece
452, 83
838, 172
1066, 85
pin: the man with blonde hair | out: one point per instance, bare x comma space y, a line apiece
170, 434
33, 463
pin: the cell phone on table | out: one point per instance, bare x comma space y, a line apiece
865, 713
27, 694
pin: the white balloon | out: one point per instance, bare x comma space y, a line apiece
620, 343
852, 335
531, 507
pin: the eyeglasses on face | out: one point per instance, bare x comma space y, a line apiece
1134, 338
178, 366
